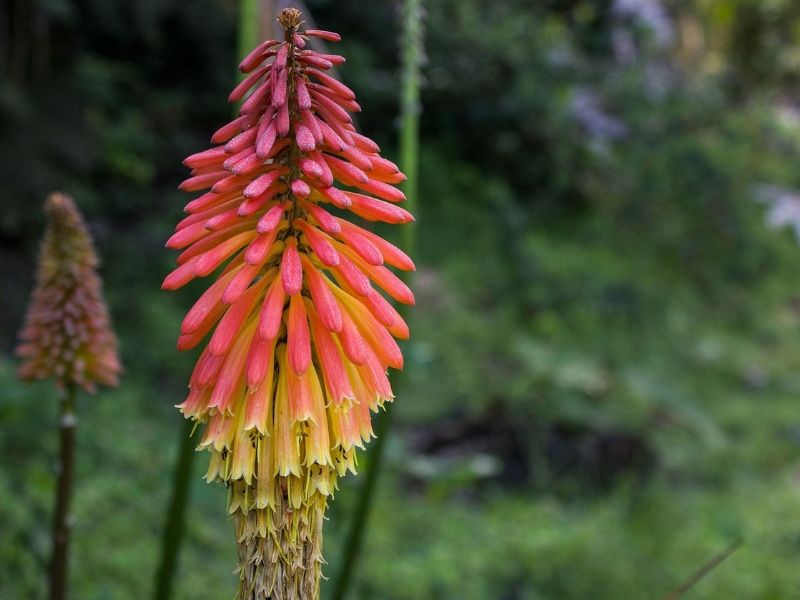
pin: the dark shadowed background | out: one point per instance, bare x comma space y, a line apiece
603, 383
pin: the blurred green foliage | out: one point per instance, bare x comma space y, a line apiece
603, 379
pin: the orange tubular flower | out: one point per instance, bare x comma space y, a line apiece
302, 339
67, 334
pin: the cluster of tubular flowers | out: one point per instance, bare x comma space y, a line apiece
67, 334
300, 337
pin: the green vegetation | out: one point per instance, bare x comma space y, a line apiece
602, 387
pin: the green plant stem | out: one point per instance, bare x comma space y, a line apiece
172, 537
249, 25
709, 566
410, 113
62, 521
409, 160
355, 533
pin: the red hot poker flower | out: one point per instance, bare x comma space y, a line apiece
67, 333
302, 334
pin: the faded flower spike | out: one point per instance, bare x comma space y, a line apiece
302, 337
67, 334
67, 337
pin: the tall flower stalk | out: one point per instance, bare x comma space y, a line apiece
67, 337
302, 340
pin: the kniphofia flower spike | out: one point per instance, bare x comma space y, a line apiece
67, 337
67, 334
301, 336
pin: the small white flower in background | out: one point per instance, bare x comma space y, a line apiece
783, 206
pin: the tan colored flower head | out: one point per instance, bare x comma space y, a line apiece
67, 334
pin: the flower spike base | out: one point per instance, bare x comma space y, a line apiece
301, 337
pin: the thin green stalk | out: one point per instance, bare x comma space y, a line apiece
709, 566
410, 112
175, 525
409, 161
62, 521
249, 32
249, 26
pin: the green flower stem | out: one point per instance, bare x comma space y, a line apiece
175, 525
